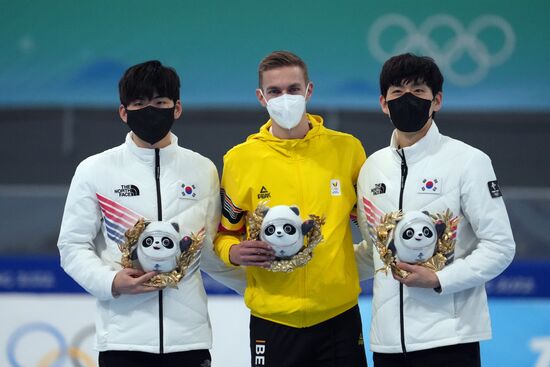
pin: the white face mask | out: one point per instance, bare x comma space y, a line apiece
287, 110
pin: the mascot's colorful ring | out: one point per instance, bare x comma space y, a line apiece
55, 358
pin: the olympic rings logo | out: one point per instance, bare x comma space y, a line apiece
465, 42
56, 357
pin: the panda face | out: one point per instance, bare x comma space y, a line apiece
158, 247
281, 233
415, 237
287, 228
281, 229
152, 241
421, 234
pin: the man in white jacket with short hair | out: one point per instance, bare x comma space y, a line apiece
425, 317
149, 176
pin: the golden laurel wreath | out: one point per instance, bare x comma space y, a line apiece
445, 245
314, 237
167, 279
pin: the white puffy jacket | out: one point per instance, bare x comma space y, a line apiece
438, 172
108, 191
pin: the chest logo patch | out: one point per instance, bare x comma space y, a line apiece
430, 186
379, 188
188, 191
127, 190
264, 194
335, 189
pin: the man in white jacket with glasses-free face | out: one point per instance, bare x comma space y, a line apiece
425, 317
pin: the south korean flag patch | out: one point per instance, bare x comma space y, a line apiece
430, 185
494, 189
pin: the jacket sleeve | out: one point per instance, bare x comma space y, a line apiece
80, 225
489, 220
230, 276
233, 218
364, 249
359, 157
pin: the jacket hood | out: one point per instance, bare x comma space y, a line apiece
285, 146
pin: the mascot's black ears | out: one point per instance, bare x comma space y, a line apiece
176, 226
440, 228
185, 243
295, 210
391, 246
307, 226
133, 255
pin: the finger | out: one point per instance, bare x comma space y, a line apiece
260, 252
133, 272
146, 277
261, 264
397, 277
257, 245
406, 266
258, 258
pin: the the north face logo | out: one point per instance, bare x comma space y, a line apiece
127, 190
264, 194
379, 188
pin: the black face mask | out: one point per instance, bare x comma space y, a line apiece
409, 113
151, 124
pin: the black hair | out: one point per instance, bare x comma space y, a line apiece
406, 68
145, 79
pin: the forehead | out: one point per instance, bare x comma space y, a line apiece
283, 76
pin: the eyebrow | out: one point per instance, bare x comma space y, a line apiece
294, 85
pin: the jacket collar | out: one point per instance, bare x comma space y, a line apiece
289, 147
420, 149
147, 154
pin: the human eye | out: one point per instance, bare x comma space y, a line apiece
136, 103
273, 92
294, 90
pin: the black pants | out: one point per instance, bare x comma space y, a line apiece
192, 358
337, 342
459, 355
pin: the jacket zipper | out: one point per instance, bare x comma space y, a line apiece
404, 171
159, 217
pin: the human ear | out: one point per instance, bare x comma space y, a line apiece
309, 88
123, 114
261, 98
178, 109
384, 105
437, 102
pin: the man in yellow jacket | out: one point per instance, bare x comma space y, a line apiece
309, 316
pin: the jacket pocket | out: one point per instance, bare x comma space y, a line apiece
426, 302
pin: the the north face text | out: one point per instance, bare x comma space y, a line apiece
127, 190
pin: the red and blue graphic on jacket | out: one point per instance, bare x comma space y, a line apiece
118, 219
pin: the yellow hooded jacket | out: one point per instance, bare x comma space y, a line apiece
318, 174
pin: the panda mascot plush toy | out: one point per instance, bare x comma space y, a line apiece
159, 247
415, 237
283, 229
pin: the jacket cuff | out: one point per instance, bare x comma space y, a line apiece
107, 292
223, 244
